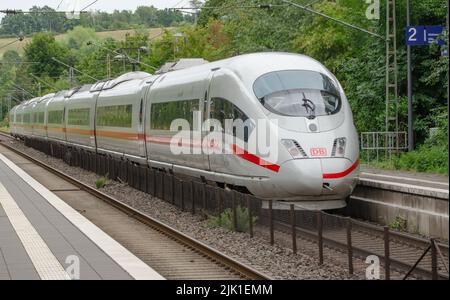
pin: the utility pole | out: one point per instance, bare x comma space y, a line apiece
448, 74
391, 75
410, 99
71, 76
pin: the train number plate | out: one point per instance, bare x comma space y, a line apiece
318, 152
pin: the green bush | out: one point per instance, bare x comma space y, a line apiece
101, 182
225, 219
431, 159
399, 224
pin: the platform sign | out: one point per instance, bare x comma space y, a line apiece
424, 35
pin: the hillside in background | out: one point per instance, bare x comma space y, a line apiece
116, 35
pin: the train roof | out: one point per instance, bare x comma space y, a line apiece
111, 83
249, 67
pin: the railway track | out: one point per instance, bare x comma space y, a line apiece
170, 252
405, 249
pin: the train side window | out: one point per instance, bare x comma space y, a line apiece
163, 114
115, 116
222, 110
79, 117
55, 117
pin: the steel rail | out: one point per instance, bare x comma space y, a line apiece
367, 228
214, 255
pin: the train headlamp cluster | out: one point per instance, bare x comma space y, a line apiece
339, 146
294, 149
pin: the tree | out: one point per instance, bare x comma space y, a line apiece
41, 50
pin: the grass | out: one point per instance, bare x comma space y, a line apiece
101, 182
117, 35
225, 219
432, 160
399, 223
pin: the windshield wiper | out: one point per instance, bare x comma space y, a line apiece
310, 107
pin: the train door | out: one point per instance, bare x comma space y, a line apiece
224, 104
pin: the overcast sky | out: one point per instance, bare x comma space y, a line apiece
104, 5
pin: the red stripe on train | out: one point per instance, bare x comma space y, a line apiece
342, 174
254, 159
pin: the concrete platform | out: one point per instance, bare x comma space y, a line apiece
422, 200
41, 237
439, 184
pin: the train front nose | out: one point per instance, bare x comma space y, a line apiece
300, 177
339, 176
328, 178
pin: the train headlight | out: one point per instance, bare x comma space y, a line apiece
339, 147
294, 148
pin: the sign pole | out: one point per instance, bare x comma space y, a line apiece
410, 100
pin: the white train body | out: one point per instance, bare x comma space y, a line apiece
302, 104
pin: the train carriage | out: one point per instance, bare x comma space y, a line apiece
28, 116
177, 97
56, 128
40, 116
13, 121
79, 117
119, 117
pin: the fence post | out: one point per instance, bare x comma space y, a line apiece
387, 254
163, 186
204, 196
172, 184
293, 229
233, 204
434, 269
250, 216
182, 194
320, 235
220, 200
192, 198
153, 182
349, 246
272, 240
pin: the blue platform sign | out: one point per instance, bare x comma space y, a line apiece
424, 35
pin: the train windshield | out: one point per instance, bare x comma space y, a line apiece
298, 93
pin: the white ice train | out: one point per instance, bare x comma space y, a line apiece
130, 117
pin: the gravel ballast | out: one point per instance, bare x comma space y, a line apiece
276, 261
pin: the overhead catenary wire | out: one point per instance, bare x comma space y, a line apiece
22, 89
43, 81
89, 5
303, 7
75, 69
19, 39
118, 53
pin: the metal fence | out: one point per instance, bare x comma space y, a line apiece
316, 232
378, 144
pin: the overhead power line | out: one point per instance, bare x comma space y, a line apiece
21, 38
303, 7
81, 72
118, 53
16, 12
87, 6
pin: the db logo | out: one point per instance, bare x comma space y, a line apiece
318, 152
